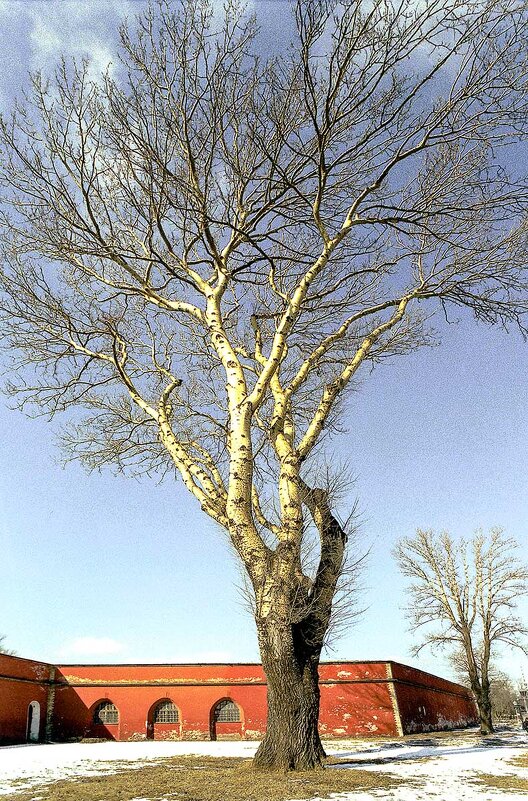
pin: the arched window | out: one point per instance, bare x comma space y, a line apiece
166, 712
105, 713
226, 712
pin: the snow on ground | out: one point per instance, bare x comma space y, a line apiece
37, 764
442, 768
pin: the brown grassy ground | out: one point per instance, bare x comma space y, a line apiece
510, 781
520, 761
506, 782
207, 779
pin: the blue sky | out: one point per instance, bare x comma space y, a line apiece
106, 568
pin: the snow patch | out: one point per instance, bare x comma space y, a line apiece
445, 767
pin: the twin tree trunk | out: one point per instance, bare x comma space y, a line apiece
482, 697
291, 664
292, 620
478, 672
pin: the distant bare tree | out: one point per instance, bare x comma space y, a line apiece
206, 254
463, 596
3, 649
503, 693
503, 696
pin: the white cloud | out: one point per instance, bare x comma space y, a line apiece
91, 647
45, 39
76, 29
205, 656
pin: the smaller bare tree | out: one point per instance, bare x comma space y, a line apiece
503, 697
3, 649
462, 597
503, 693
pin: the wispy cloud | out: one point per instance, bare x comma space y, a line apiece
90, 31
44, 38
90, 647
205, 656
34, 35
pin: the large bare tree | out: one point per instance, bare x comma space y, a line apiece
463, 598
206, 251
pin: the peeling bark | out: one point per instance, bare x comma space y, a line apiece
293, 616
291, 663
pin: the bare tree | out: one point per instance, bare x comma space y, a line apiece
207, 251
503, 696
3, 649
463, 596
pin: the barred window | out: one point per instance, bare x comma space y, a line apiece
226, 712
166, 712
105, 713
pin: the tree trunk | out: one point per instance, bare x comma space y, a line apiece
480, 685
484, 708
291, 665
293, 616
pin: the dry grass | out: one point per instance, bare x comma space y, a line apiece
208, 779
510, 781
520, 761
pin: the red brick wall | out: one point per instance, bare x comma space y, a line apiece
136, 689
74, 706
428, 703
21, 682
357, 699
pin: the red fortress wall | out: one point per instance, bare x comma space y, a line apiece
427, 702
24, 683
218, 701
137, 689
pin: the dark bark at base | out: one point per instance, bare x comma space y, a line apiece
486, 722
484, 710
295, 615
292, 739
